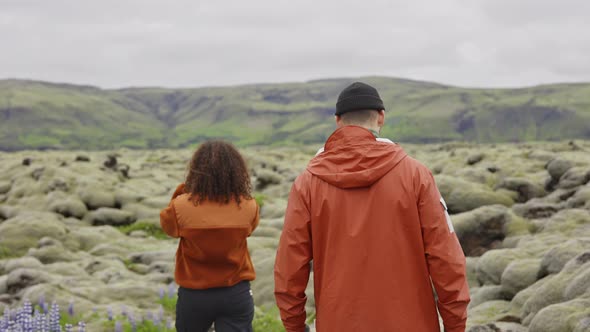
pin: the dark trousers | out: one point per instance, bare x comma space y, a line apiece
230, 308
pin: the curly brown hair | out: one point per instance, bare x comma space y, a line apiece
218, 173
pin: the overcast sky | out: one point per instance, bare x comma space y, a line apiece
186, 43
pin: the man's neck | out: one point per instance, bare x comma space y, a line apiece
373, 131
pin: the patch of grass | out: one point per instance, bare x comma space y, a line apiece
129, 264
148, 227
6, 253
169, 304
142, 326
67, 319
40, 140
267, 321
260, 199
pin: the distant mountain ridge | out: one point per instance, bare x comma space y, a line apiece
42, 115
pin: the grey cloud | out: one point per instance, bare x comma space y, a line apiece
196, 43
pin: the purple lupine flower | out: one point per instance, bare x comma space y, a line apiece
19, 317
28, 307
28, 323
133, 322
43, 304
157, 321
42, 301
153, 318
118, 326
45, 307
169, 324
71, 308
45, 323
12, 314
171, 290
161, 293
54, 317
11, 325
110, 313
69, 328
161, 313
124, 310
27, 316
4, 320
37, 325
81, 327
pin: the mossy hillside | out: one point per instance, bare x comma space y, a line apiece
46, 115
65, 116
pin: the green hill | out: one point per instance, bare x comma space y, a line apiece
40, 115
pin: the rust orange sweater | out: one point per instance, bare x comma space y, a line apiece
213, 250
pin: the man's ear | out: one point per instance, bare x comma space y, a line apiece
381, 119
338, 121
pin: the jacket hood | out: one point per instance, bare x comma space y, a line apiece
354, 158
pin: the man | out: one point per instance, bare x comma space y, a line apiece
376, 227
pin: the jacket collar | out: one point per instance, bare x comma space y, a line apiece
349, 135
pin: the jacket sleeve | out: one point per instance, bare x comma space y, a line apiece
292, 265
168, 215
445, 258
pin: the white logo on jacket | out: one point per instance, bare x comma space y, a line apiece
449, 223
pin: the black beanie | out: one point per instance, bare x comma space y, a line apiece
358, 96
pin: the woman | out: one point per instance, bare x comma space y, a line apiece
213, 213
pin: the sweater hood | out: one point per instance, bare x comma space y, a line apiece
354, 158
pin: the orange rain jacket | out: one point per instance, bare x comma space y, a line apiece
374, 223
213, 249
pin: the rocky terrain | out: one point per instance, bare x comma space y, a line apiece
83, 227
